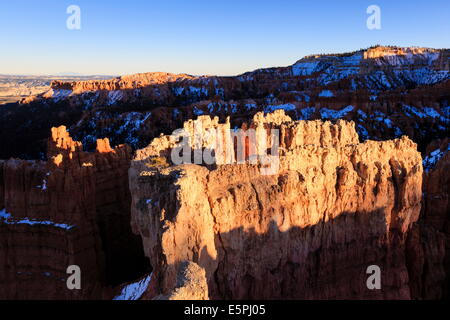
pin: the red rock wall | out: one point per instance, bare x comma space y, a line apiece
430, 243
125, 82
35, 257
85, 190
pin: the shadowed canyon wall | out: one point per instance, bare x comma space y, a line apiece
429, 242
71, 210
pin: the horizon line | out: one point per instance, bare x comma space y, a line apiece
75, 74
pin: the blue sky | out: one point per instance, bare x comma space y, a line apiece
203, 37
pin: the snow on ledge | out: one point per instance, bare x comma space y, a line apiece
432, 159
326, 94
285, 107
114, 97
335, 114
57, 94
7, 218
135, 290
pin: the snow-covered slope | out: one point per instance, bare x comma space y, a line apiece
378, 68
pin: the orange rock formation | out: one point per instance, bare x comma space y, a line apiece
310, 231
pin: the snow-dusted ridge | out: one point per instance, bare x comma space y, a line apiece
409, 65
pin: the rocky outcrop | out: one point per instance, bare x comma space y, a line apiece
310, 230
134, 81
71, 210
191, 284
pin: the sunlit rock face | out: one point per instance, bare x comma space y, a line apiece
71, 210
190, 284
308, 231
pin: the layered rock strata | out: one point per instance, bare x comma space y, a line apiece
387, 91
190, 285
71, 210
310, 231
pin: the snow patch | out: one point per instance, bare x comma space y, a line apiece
335, 114
198, 91
57, 94
398, 132
197, 111
362, 114
175, 113
326, 94
362, 132
178, 91
7, 218
426, 112
446, 111
132, 123
305, 68
388, 122
285, 107
307, 113
134, 291
43, 186
430, 161
250, 106
114, 97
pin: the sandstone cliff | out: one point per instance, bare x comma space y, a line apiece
309, 231
125, 82
71, 210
